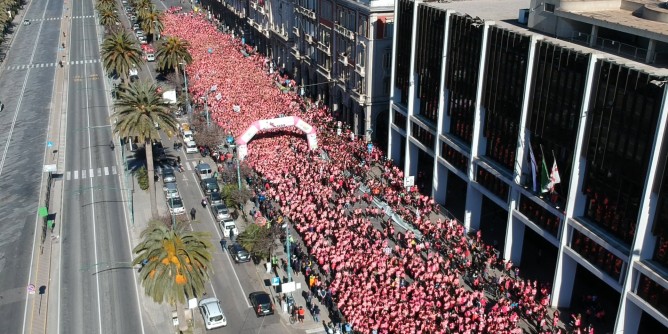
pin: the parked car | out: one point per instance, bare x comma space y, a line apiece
261, 302
176, 206
171, 191
215, 198
227, 225
213, 314
209, 186
168, 175
239, 253
220, 211
203, 171
190, 146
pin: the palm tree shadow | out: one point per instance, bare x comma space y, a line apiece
113, 269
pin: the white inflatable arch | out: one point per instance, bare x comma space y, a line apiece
275, 123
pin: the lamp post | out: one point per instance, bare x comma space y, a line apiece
185, 81
230, 142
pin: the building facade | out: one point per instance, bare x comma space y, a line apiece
338, 51
482, 102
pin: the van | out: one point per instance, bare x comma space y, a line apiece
227, 225
203, 171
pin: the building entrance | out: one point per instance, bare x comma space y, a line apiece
493, 221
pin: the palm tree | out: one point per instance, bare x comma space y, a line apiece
120, 53
151, 22
175, 261
138, 109
171, 52
108, 17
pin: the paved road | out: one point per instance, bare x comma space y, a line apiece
97, 291
26, 89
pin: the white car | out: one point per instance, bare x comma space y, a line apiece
191, 146
150, 57
212, 313
227, 225
176, 206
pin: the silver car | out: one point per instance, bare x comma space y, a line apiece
220, 211
171, 190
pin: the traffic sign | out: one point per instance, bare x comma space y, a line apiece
275, 281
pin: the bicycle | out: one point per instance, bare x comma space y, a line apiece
293, 318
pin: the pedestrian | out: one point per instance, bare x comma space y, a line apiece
231, 234
193, 212
204, 202
301, 312
316, 313
223, 243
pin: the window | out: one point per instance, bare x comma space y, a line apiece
361, 58
363, 26
326, 10
386, 85
325, 36
387, 59
549, 7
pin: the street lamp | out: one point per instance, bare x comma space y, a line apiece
230, 142
185, 81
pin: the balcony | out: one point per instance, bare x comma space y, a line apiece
343, 59
324, 48
251, 22
325, 72
253, 5
355, 94
295, 31
295, 53
344, 31
360, 70
280, 32
310, 39
306, 12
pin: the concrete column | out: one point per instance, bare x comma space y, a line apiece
472, 208
644, 241
439, 181
477, 120
410, 166
651, 48
564, 280
631, 317
514, 240
593, 36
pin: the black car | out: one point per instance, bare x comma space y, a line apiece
262, 304
239, 253
209, 186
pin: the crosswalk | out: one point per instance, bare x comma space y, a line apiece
42, 65
113, 170
90, 173
60, 18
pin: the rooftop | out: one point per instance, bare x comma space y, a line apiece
495, 10
505, 13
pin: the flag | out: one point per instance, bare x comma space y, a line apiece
544, 177
534, 166
554, 175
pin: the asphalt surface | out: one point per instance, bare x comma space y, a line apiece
26, 89
97, 292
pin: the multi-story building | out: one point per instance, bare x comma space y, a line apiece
338, 51
486, 94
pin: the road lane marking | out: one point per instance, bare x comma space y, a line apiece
68, 176
76, 174
90, 172
83, 174
106, 170
99, 171
113, 170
